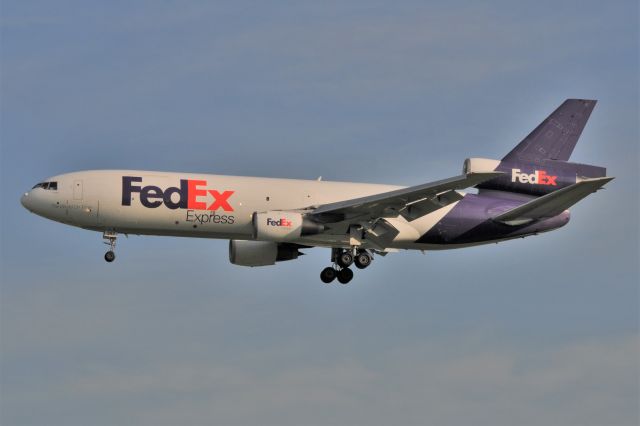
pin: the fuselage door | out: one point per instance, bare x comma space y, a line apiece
82, 212
77, 190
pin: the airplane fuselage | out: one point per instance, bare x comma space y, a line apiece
215, 206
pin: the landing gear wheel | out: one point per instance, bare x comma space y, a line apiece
110, 237
328, 275
362, 260
345, 275
345, 259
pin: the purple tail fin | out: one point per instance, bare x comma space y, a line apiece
538, 165
556, 136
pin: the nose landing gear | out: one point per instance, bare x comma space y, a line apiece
342, 259
110, 236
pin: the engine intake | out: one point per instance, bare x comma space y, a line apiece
479, 165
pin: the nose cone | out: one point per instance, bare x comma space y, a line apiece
25, 200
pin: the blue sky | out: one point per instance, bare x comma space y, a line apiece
533, 332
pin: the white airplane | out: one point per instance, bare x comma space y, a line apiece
270, 220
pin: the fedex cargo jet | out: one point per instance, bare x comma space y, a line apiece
272, 220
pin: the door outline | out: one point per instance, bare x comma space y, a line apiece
77, 189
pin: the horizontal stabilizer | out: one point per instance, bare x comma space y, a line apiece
552, 204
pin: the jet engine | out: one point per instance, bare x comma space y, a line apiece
283, 226
479, 165
260, 253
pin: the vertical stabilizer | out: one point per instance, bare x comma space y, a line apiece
556, 136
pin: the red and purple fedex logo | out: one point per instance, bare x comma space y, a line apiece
538, 177
191, 195
282, 222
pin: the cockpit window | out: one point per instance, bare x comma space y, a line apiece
52, 186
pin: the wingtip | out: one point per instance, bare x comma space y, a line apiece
589, 101
604, 179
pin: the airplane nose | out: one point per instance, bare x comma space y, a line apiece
25, 201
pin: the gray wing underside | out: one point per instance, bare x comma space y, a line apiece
411, 202
552, 204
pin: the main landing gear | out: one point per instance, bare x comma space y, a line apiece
110, 236
342, 259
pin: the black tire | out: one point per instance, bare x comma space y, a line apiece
109, 256
345, 259
362, 260
328, 275
345, 275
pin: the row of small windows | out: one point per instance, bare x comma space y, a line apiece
47, 185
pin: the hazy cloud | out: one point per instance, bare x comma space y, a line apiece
587, 382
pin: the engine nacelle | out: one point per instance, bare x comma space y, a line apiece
479, 165
260, 253
283, 226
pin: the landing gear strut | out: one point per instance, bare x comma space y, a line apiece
110, 236
342, 259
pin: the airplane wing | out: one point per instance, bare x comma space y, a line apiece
411, 202
552, 204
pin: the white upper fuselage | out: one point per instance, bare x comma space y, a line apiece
152, 203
